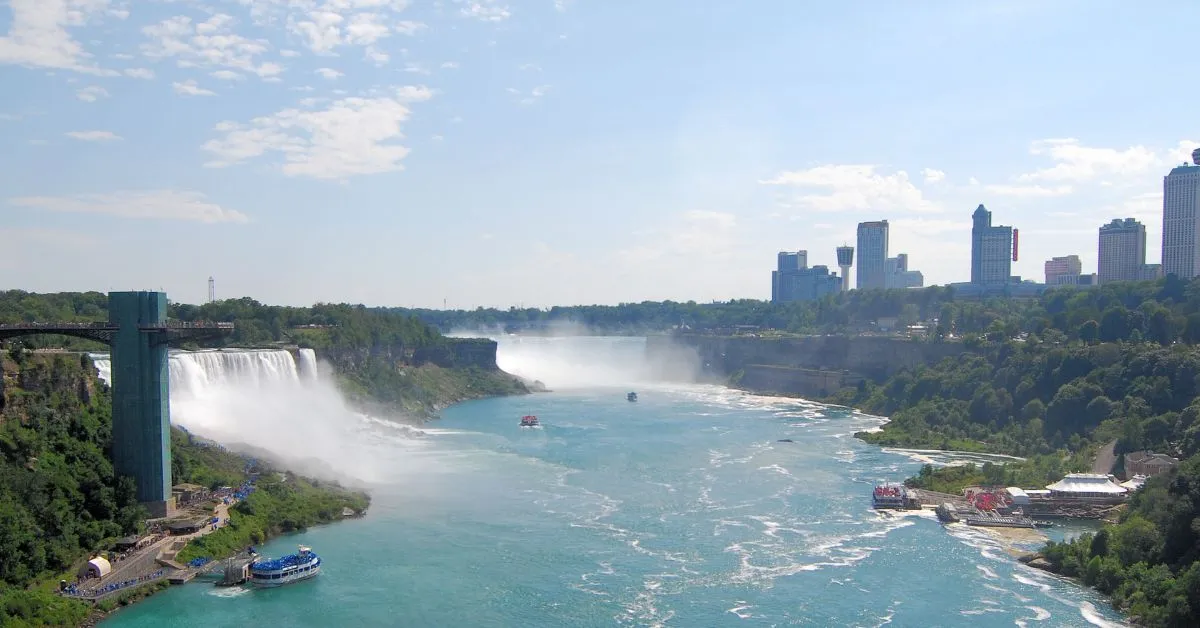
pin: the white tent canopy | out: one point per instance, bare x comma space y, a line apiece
1087, 484
97, 567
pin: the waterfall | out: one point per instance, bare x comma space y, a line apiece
268, 400
194, 373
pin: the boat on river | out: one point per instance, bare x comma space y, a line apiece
286, 569
631, 396
890, 496
276, 572
530, 421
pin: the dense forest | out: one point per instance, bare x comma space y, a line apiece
1053, 379
60, 499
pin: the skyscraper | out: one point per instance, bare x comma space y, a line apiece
991, 250
1122, 255
793, 280
896, 274
1181, 220
872, 254
1063, 270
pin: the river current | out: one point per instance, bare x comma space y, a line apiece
682, 509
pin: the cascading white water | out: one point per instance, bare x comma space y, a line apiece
268, 400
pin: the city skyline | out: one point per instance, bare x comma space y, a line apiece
487, 153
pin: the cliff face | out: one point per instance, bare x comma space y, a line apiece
812, 366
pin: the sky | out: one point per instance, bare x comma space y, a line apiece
541, 152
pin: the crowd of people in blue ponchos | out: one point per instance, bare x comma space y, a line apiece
74, 590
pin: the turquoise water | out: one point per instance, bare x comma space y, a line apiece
682, 509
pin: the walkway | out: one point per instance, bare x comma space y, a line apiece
1106, 459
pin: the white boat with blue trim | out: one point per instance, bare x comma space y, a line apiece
276, 572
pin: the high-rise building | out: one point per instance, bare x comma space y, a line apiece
1122, 251
896, 274
1181, 220
793, 280
872, 254
845, 259
991, 250
1063, 271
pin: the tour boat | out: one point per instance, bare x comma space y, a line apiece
891, 496
529, 421
286, 570
631, 396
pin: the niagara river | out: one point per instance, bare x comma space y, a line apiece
688, 507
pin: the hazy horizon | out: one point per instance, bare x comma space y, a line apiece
537, 152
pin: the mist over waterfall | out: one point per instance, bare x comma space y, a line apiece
567, 362
270, 403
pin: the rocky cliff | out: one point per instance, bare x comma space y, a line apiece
813, 366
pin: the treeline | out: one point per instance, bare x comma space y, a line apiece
59, 497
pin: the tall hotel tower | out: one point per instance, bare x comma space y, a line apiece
1181, 220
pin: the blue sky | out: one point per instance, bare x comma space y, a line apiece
539, 152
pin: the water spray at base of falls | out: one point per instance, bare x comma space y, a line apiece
276, 405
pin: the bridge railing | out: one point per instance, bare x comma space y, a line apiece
95, 325
187, 325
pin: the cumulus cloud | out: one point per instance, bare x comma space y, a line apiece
155, 205
227, 75
91, 93
208, 44
351, 136
839, 188
329, 73
1076, 162
933, 176
191, 88
94, 136
340, 23
140, 73
38, 35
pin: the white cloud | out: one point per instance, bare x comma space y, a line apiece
1029, 191
9, 117
561, 5
227, 75
329, 73
207, 44
855, 188
928, 226
352, 136
415, 68
157, 204
1076, 162
335, 24
191, 88
449, 65
91, 93
288, 53
485, 10
38, 38
94, 136
378, 57
140, 73
933, 176
531, 67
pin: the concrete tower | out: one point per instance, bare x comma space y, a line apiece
845, 259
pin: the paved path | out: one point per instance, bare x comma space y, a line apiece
1106, 459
